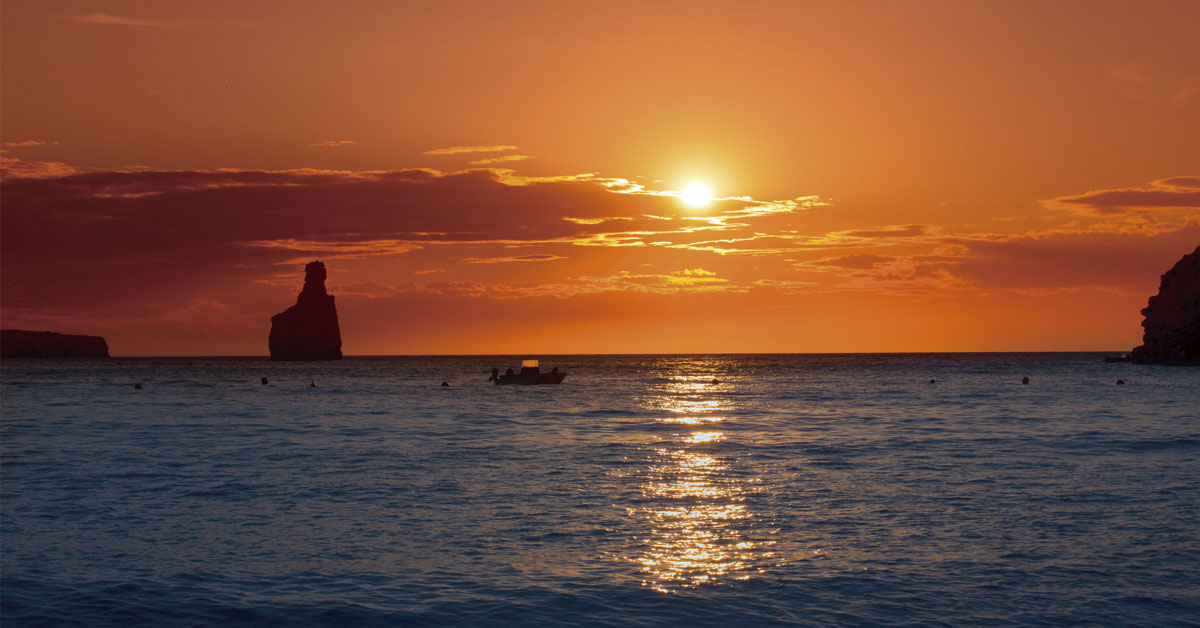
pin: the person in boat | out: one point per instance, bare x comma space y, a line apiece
530, 367
508, 372
495, 375
554, 370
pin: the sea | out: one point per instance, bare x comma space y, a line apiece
645, 490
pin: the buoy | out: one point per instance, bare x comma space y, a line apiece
715, 382
138, 386
264, 381
1120, 382
313, 384
933, 381
445, 383
1024, 380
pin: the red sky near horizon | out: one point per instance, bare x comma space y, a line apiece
505, 177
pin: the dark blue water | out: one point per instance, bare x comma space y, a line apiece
810, 490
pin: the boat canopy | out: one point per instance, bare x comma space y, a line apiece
530, 364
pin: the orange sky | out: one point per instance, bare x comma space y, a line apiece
894, 176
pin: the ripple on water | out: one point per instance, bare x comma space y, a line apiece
815, 490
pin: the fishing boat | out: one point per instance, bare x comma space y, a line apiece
530, 373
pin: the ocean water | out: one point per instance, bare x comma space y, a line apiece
813, 490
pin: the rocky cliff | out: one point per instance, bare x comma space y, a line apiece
1173, 317
18, 343
309, 329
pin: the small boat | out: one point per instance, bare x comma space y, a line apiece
530, 374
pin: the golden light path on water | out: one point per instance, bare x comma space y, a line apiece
698, 520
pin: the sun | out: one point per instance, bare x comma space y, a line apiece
696, 194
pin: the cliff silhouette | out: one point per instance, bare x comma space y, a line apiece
309, 329
1172, 320
18, 343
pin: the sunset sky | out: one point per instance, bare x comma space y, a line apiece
504, 177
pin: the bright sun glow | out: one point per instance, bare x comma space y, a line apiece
696, 194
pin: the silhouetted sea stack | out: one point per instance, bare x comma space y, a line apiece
1173, 317
309, 329
18, 343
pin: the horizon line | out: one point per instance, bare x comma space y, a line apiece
467, 355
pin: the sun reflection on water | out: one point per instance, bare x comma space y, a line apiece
701, 530
693, 420
704, 437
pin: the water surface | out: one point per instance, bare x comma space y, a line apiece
812, 490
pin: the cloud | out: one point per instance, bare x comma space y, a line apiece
1174, 193
534, 257
204, 314
688, 279
787, 286
459, 150
1035, 263
692, 280
90, 239
338, 247
168, 249
921, 273
334, 143
1108, 258
792, 241
123, 241
893, 231
13, 168
113, 20
28, 143
860, 261
500, 160
1187, 183
349, 212
1059, 260
594, 221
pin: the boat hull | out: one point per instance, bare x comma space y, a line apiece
529, 380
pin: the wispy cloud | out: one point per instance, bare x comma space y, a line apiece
1191, 183
890, 231
861, 261
1174, 193
691, 280
686, 280
28, 143
334, 143
13, 168
359, 248
113, 20
473, 224
535, 257
459, 150
500, 160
